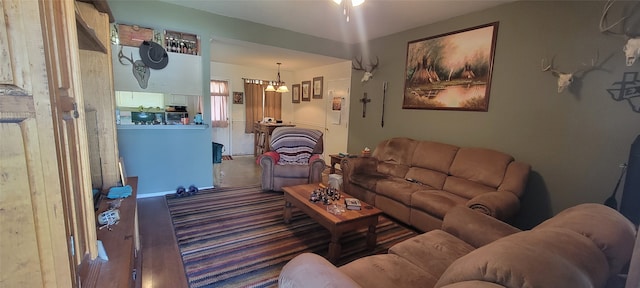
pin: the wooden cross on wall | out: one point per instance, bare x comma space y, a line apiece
364, 101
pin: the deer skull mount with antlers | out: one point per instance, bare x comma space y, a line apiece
368, 73
632, 47
632, 50
140, 71
565, 79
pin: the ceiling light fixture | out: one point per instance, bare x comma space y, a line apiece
346, 8
281, 87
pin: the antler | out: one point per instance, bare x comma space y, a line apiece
603, 18
549, 67
374, 66
120, 56
565, 79
593, 65
361, 67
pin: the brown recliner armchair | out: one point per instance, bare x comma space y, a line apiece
295, 158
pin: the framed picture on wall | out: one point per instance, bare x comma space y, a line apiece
451, 71
306, 91
238, 97
317, 87
295, 93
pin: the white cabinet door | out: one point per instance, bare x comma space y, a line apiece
175, 100
124, 99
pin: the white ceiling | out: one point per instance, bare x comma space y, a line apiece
325, 19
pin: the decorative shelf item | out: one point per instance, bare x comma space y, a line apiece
133, 35
183, 43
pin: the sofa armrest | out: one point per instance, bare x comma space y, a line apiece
475, 228
310, 271
499, 204
350, 166
268, 158
316, 166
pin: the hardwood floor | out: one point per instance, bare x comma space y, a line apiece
161, 262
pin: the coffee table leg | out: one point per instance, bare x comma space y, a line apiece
372, 236
334, 247
287, 212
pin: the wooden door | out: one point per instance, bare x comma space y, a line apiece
43, 170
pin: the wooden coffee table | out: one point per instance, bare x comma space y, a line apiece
298, 196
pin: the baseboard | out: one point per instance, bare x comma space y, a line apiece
156, 194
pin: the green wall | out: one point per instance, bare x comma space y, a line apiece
575, 141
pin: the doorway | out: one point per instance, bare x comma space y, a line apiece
337, 119
220, 119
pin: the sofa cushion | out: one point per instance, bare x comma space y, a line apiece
433, 251
395, 151
291, 171
435, 202
480, 165
465, 188
398, 189
387, 270
434, 156
367, 181
392, 169
432, 178
317, 271
542, 258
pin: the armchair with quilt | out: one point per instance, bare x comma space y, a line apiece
295, 158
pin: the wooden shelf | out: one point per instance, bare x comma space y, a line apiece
101, 6
120, 245
87, 38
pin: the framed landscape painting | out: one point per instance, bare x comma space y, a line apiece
451, 71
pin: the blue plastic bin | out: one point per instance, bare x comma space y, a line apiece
217, 152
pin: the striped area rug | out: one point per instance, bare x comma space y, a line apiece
236, 237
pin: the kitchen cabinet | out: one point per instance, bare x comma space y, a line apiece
175, 100
137, 99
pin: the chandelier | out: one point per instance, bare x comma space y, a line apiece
346, 8
281, 87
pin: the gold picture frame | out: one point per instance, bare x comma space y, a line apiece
451, 71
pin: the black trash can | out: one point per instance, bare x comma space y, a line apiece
217, 152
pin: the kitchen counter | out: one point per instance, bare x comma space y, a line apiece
161, 127
165, 157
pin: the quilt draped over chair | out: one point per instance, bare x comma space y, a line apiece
295, 158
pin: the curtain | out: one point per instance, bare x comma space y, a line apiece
253, 104
256, 98
273, 105
219, 95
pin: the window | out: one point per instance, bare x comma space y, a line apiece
219, 96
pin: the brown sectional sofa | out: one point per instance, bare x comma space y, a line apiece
587, 245
444, 176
